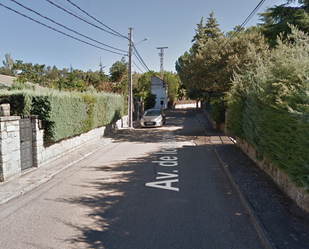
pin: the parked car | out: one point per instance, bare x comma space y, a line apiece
153, 118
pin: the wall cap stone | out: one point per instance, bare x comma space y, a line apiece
10, 118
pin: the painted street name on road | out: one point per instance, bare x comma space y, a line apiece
166, 160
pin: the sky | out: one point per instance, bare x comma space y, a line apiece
166, 23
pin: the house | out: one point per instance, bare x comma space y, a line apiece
8, 81
159, 87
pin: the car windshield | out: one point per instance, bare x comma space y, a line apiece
153, 113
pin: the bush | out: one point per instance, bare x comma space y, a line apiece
269, 106
150, 101
218, 110
65, 114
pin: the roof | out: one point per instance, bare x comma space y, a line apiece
8, 81
159, 78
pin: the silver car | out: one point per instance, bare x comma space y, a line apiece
153, 118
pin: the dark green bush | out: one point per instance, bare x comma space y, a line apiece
65, 114
269, 107
150, 101
218, 110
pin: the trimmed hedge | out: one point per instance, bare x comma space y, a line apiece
269, 107
65, 114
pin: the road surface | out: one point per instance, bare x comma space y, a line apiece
150, 188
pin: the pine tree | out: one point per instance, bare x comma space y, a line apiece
276, 20
203, 33
212, 29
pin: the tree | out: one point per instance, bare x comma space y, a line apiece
276, 20
119, 75
9, 62
269, 105
211, 30
173, 81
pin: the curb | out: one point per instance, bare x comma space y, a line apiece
256, 222
262, 233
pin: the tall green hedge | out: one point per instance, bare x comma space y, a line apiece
269, 106
65, 114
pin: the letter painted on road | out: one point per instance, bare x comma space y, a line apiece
167, 184
166, 179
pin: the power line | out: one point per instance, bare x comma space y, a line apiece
140, 58
68, 8
95, 19
82, 19
118, 34
140, 61
248, 18
59, 30
66, 27
138, 67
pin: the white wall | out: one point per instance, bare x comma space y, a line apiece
159, 88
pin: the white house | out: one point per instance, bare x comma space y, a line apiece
159, 88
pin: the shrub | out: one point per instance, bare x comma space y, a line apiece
269, 106
218, 109
65, 114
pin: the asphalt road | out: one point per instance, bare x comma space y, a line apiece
150, 188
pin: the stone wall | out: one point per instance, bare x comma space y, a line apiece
214, 124
10, 164
10, 154
44, 154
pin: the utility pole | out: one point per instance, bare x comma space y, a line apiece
161, 54
130, 98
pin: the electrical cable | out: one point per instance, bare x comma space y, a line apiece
247, 19
137, 66
95, 19
82, 19
141, 60
66, 27
59, 30
68, 8
97, 9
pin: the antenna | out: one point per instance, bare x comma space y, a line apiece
161, 54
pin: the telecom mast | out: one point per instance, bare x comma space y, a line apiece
161, 54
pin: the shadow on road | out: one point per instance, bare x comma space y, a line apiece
124, 213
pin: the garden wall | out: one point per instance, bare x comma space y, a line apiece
299, 195
10, 144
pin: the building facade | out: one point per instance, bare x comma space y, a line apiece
160, 88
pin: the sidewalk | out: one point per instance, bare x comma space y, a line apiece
29, 179
278, 220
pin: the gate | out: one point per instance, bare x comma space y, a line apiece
26, 143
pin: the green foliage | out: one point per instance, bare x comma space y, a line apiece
107, 109
20, 101
65, 114
213, 58
218, 109
276, 20
20, 86
150, 101
269, 106
143, 87
210, 31
173, 81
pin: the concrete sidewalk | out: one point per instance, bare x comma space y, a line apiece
33, 177
277, 219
